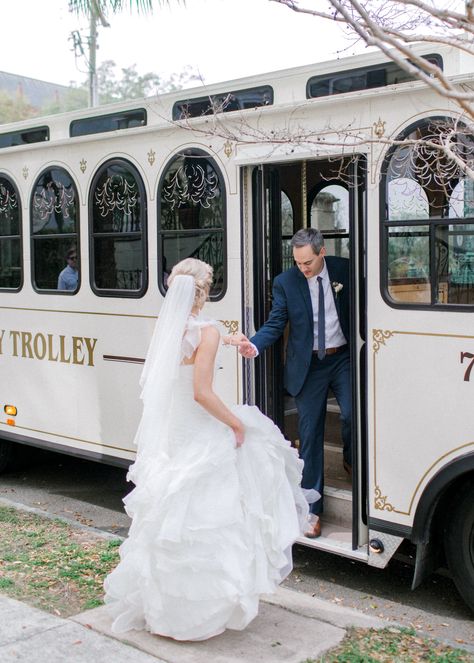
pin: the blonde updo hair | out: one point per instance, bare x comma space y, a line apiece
202, 274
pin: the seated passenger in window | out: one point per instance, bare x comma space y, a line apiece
68, 278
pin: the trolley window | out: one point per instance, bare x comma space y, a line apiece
11, 266
117, 208
54, 232
13, 138
329, 212
287, 230
427, 208
364, 78
111, 122
192, 216
224, 102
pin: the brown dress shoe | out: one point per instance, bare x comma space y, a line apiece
314, 529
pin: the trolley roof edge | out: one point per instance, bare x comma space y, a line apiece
456, 66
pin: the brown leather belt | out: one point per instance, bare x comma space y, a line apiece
332, 351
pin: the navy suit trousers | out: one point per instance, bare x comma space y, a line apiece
332, 372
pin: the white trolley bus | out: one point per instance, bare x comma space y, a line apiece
132, 188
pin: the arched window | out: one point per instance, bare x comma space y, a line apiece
287, 216
287, 230
117, 209
428, 217
192, 216
329, 213
11, 266
55, 232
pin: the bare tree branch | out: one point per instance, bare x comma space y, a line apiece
392, 26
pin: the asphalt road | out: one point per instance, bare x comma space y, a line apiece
92, 494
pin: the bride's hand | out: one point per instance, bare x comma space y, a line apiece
234, 339
239, 433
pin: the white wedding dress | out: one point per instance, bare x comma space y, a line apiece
212, 525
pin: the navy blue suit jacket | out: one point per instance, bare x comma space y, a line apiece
292, 304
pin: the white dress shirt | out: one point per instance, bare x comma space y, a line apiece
334, 336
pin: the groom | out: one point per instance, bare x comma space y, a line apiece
313, 297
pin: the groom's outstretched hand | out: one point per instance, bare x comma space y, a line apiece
246, 349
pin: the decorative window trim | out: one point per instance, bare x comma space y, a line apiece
434, 223
187, 195
35, 237
5, 177
108, 199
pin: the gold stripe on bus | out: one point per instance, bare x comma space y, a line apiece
65, 437
406, 333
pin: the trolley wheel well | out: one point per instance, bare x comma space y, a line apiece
439, 503
439, 497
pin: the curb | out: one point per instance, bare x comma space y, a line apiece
323, 610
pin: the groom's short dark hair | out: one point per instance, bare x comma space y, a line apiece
306, 236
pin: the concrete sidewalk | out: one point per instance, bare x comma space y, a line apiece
290, 627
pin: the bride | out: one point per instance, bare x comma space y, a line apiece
217, 502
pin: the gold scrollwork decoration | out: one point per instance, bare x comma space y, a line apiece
83, 165
228, 149
379, 337
151, 157
232, 326
380, 501
25, 172
379, 128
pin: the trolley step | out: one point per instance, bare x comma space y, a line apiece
336, 539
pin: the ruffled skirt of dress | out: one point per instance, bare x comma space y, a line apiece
212, 528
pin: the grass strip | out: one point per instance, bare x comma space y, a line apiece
52, 565
391, 645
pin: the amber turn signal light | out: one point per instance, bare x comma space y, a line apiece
10, 410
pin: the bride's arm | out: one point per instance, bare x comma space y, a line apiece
203, 379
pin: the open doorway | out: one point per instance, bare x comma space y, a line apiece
325, 194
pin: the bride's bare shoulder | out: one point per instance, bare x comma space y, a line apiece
210, 334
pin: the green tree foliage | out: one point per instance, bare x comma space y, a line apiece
132, 85
73, 99
113, 87
14, 108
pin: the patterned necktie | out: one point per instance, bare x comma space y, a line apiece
321, 321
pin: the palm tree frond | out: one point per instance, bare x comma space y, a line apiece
115, 6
